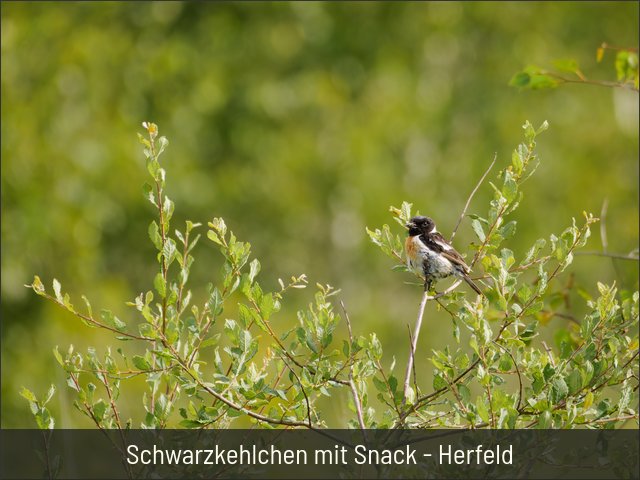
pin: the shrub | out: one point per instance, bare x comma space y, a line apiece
204, 370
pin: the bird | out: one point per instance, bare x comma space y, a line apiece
430, 256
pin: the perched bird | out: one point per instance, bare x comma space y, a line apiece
431, 256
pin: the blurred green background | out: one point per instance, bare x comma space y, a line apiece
300, 124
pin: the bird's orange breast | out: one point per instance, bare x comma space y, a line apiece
412, 250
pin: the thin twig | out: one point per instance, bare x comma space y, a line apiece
603, 234
453, 286
304, 393
607, 46
473, 192
414, 344
586, 81
93, 321
603, 225
415, 378
506, 350
621, 256
352, 384
549, 354
566, 316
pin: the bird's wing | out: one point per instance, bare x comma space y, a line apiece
455, 258
436, 242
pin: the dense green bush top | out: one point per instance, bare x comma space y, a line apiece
299, 124
205, 372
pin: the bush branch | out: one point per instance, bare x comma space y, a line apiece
473, 192
414, 343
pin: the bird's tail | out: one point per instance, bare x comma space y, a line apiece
472, 285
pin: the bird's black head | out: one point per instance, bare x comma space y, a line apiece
419, 225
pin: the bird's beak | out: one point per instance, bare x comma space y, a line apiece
409, 224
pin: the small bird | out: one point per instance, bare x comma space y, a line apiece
431, 256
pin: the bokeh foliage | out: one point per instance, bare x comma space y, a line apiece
299, 124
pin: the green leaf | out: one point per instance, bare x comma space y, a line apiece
28, 395
141, 363
534, 250
517, 161
393, 383
56, 290
162, 144
143, 140
506, 257
603, 408
626, 65
58, 356
406, 211
534, 308
477, 228
254, 269
545, 420
160, 285
214, 237
588, 400
483, 412
559, 390
99, 409
111, 320
167, 209
149, 194
49, 396
44, 419
574, 382
542, 81
267, 305
379, 384
507, 418
153, 167
524, 293
37, 285
534, 78
169, 251
218, 232
190, 424
520, 80
216, 302
410, 395
465, 393
154, 235
568, 65
439, 382
86, 302
508, 230
510, 187
214, 340
505, 363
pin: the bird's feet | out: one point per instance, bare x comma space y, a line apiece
428, 287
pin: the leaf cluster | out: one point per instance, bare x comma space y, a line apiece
625, 66
232, 358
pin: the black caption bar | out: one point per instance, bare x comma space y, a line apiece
309, 454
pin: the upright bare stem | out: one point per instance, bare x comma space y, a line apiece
425, 296
414, 344
603, 225
473, 192
352, 383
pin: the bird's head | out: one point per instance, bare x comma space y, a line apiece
419, 225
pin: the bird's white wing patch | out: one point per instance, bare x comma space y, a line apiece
444, 245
